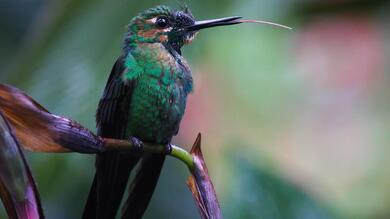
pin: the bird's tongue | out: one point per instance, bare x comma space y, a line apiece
228, 21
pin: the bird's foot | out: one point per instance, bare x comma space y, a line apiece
138, 146
168, 149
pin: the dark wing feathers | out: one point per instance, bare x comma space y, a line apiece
113, 168
114, 104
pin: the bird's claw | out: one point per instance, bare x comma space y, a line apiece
137, 146
168, 149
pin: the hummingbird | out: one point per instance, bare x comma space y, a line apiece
144, 100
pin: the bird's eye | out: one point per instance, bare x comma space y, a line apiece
162, 22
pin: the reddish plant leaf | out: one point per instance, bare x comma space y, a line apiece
17, 187
201, 186
39, 130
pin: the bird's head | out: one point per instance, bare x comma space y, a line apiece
164, 25
175, 28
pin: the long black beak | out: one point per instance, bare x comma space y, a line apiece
213, 23
198, 25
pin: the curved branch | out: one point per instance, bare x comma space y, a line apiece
171, 150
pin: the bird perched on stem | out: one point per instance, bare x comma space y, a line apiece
144, 98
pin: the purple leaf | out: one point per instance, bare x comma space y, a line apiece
17, 187
201, 186
39, 130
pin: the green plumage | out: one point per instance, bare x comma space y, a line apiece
162, 82
145, 97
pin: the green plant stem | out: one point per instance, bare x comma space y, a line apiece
171, 150
183, 155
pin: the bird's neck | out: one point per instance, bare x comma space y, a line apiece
155, 60
152, 55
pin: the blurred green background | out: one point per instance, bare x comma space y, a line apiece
295, 123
